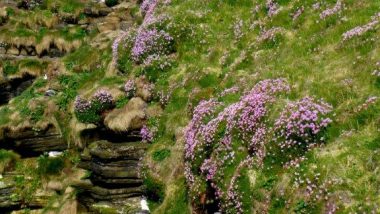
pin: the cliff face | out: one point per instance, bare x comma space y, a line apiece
45, 47
230, 106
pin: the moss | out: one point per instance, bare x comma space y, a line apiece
161, 155
154, 189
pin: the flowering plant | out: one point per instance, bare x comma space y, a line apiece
90, 111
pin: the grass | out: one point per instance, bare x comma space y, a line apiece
309, 53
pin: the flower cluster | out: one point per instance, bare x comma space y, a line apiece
331, 11
148, 6
238, 29
164, 97
272, 7
130, 88
204, 109
298, 13
90, 111
231, 90
151, 41
103, 97
270, 34
302, 122
234, 199
245, 120
146, 134
370, 101
360, 30
209, 168
81, 105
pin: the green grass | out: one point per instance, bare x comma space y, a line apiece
310, 54
161, 155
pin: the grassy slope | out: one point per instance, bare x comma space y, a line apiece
310, 54
313, 57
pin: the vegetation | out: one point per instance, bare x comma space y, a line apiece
252, 106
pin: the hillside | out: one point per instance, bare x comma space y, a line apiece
231, 106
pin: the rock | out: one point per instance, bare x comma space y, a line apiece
14, 87
117, 151
54, 154
23, 52
50, 93
55, 186
28, 142
131, 117
3, 50
111, 171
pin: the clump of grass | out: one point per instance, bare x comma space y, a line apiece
49, 165
161, 155
154, 189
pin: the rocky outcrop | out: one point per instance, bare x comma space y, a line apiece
10, 202
29, 142
115, 174
14, 87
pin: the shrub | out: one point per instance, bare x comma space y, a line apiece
210, 137
111, 3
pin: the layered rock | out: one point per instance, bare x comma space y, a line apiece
115, 179
29, 142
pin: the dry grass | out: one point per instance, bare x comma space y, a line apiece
131, 117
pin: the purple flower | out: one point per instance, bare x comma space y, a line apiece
146, 134
103, 97
81, 105
360, 30
272, 7
130, 88
331, 11
150, 41
302, 121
